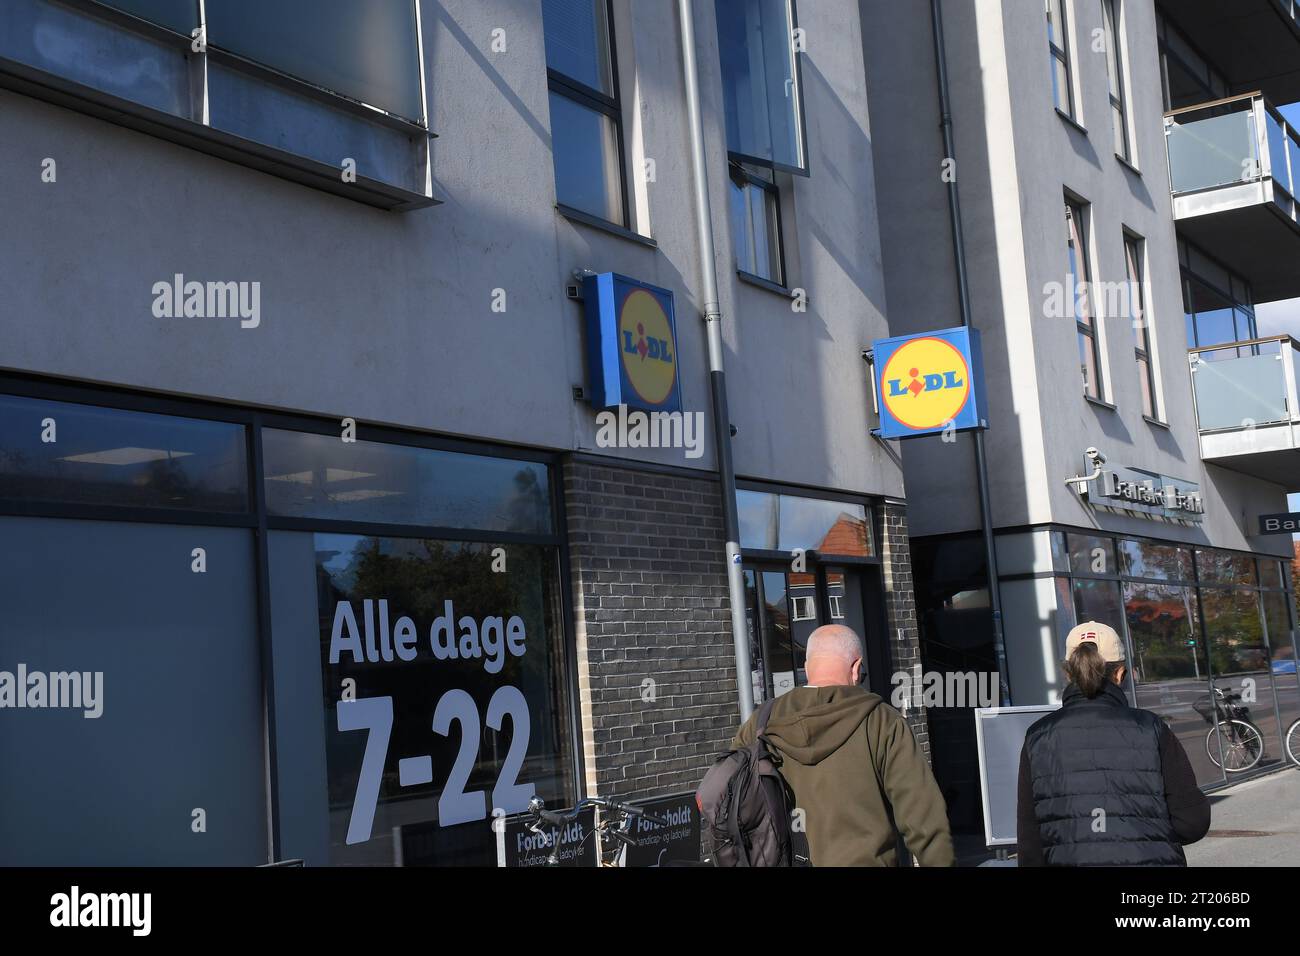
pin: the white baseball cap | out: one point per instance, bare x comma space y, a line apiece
1104, 636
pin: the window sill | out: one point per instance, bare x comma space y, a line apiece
1156, 422
595, 222
1071, 121
1101, 403
766, 284
1128, 165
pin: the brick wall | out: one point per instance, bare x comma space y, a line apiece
647, 558
900, 606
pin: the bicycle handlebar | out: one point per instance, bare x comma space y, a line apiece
537, 807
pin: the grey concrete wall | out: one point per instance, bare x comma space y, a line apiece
387, 317
1016, 157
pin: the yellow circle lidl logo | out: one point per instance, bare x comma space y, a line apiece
648, 350
926, 383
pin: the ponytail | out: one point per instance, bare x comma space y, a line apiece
1088, 671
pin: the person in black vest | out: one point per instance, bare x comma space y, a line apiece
1103, 783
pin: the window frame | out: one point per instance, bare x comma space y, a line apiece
1113, 27
1144, 353
1061, 53
609, 106
1077, 242
796, 59
736, 169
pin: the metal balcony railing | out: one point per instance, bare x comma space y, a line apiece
1246, 386
1241, 141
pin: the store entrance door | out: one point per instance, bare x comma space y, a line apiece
783, 608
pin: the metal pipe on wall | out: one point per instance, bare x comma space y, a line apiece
963, 288
717, 375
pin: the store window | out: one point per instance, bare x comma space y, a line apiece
419, 675
586, 115
60, 452
428, 582
319, 476
1210, 638
784, 522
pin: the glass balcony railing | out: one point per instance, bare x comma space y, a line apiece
1231, 143
1245, 385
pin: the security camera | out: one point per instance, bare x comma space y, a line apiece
1095, 456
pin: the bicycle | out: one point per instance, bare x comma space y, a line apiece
1293, 742
616, 821
1243, 742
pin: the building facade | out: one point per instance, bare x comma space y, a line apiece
316, 546
1125, 191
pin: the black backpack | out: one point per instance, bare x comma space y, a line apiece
746, 807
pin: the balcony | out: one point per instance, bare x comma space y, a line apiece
1247, 409
1256, 43
1234, 170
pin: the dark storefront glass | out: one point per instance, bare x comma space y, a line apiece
1099, 601
777, 522
61, 453
1243, 680
1148, 559
1091, 555
1281, 641
1169, 665
1225, 567
320, 476
462, 720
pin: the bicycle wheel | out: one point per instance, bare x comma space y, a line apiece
1293, 743
1243, 745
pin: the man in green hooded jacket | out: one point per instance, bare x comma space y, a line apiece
858, 775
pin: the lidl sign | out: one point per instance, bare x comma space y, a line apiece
932, 382
631, 344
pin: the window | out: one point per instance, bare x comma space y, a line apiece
1217, 305
289, 87
801, 608
837, 608
1115, 72
1080, 282
1058, 44
763, 97
586, 118
1133, 248
1186, 76
755, 206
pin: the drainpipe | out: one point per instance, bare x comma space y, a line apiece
963, 286
717, 375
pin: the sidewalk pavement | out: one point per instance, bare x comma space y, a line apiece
1256, 823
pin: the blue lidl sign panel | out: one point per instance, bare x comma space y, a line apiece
931, 382
631, 344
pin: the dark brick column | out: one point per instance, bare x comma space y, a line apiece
646, 553
900, 606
